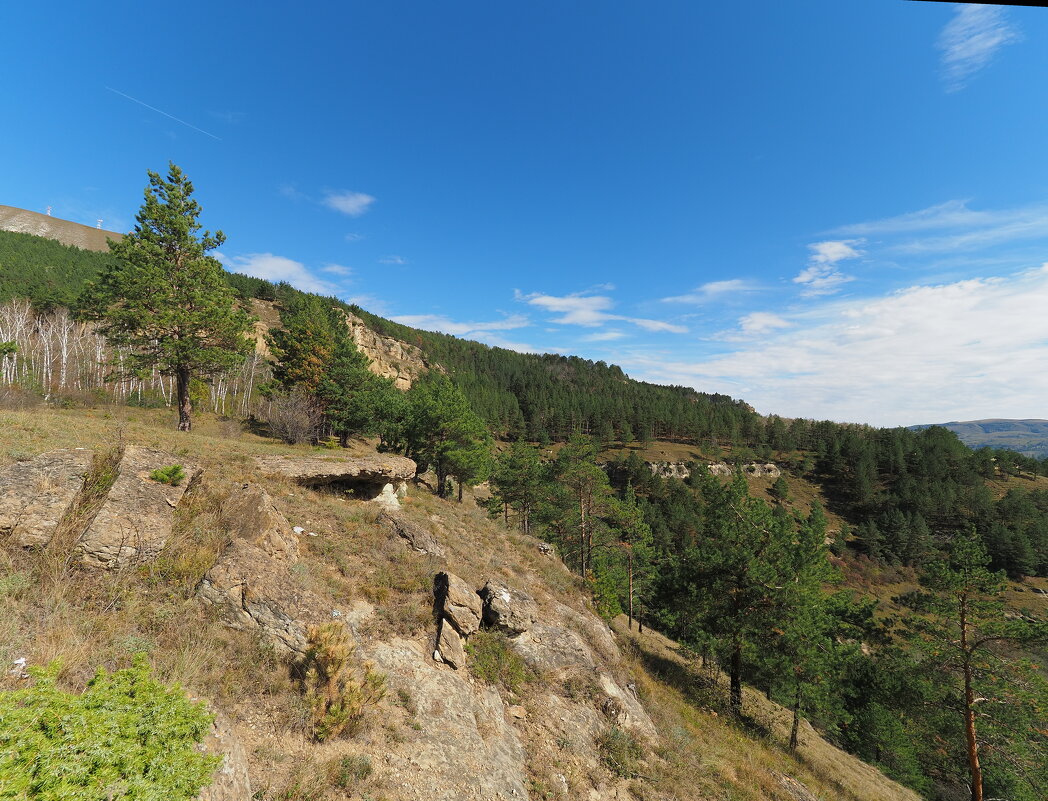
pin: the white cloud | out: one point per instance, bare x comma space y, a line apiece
278, 268
761, 323
970, 40
395, 260
821, 277
923, 354
713, 290
353, 237
352, 203
590, 311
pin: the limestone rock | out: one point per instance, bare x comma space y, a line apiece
251, 516
669, 469
135, 519
796, 790
762, 470
366, 476
458, 602
461, 747
594, 630
449, 646
719, 469
36, 495
510, 611
388, 357
630, 714
231, 781
419, 537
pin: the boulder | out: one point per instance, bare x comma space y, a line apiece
135, 520
669, 469
547, 649
458, 603
510, 611
36, 495
417, 536
367, 477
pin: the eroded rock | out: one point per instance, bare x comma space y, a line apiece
231, 781
135, 520
510, 611
547, 649
36, 495
251, 516
450, 648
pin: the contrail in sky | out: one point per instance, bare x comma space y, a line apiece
158, 111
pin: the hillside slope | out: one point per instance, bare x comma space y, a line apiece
70, 233
552, 713
1028, 437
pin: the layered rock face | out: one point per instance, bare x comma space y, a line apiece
35, 495
135, 520
390, 358
460, 614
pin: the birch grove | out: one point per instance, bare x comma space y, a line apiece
61, 359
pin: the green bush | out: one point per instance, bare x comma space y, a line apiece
127, 736
349, 771
492, 660
173, 474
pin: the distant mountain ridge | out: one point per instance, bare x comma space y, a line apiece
22, 221
1029, 437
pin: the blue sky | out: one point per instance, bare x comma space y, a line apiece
829, 208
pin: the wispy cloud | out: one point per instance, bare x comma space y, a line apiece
887, 360
394, 260
278, 268
163, 113
761, 323
353, 237
821, 276
590, 311
439, 322
352, 203
956, 227
714, 290
337, 269
604, 336
970, 40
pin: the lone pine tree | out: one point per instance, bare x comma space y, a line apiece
165, 299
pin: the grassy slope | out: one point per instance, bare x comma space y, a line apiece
86, 619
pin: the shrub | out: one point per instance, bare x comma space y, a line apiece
348, 772
492, 660
619, 752
126, 736
292, 416
173, 474
337, 697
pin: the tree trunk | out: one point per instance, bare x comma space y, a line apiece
630, 613
184, 406
735, 702
459, 490
974, 768
795, 728
343, 439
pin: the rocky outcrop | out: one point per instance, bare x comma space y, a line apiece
719, 469
251, 584
417, 536
379, 477
231, 781
35, 495
462, 747
761, 470
135, 520
510, 611
460, 610
669, 469
390, 358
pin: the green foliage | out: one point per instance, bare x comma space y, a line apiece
350, 771
173, 474
493, 661
125, 737
45, 271
338, 695
619, 752
165, 298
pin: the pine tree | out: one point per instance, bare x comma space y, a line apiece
518, 482
962, 631
165, 298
